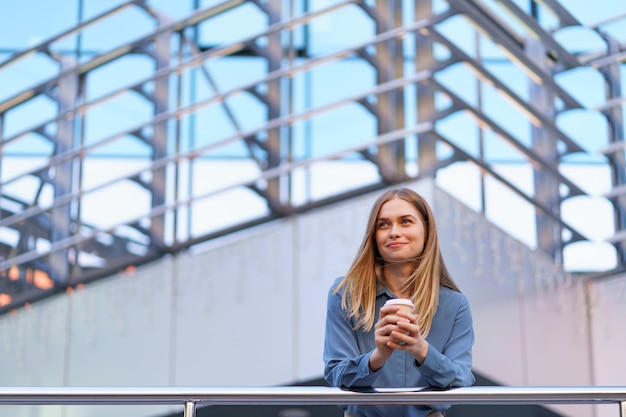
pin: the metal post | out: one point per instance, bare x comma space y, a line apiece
190, 409
390, 105
545, 144
615, 119
60, 216
274, 54
162, 50
426, 110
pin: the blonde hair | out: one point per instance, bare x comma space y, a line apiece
365, 277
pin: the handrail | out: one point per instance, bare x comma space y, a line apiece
189, 397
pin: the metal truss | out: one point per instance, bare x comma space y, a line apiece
52, 232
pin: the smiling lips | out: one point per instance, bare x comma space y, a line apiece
394, 245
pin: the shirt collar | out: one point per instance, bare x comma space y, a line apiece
383, 290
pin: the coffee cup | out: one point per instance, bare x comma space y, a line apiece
405, 304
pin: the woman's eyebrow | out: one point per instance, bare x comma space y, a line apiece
402, 216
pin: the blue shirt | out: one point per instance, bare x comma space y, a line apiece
447, 364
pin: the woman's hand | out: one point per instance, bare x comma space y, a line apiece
407, 336
384, 331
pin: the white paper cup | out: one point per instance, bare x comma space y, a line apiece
405, 304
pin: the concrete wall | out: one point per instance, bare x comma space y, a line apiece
534, 323
248, 309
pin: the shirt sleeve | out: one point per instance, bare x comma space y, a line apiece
452, 367
344, 364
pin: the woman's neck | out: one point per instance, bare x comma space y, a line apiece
396, 276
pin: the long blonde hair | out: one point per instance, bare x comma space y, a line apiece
365, 277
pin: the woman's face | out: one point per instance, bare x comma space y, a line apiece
400, 231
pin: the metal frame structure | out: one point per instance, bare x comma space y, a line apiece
51, 234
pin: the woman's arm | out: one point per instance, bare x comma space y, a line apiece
452, 366
344, 363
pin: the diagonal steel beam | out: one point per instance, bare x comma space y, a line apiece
503, 36
531, 156
565, 17
527, 108
531, 25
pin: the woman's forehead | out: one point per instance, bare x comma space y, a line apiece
397, 207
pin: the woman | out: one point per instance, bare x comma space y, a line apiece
371, 345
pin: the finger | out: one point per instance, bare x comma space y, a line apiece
407, 326
407, 316
386, 330
390, 319
384, 311
400, 340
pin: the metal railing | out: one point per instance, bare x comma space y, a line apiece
190, 397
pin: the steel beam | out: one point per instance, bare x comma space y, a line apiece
549, 233
275, 103
162, 52
389, 105
62, 179
615, 120
426, 110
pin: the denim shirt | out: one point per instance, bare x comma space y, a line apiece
447, 364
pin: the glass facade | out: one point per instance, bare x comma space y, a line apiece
133, 130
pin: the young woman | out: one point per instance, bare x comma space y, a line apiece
371, 345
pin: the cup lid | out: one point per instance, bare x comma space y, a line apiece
399, 301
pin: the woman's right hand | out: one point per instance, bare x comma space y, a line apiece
387, 323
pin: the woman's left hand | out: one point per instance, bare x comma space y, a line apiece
409, 337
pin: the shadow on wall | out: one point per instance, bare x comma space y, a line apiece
334, 411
